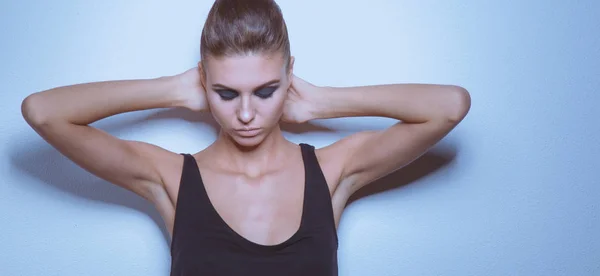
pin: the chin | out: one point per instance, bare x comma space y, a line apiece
248, 142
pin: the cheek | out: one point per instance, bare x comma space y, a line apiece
273, 111
220, 111
275, 106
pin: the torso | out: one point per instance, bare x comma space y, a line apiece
259, 208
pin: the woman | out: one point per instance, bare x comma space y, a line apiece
252, 202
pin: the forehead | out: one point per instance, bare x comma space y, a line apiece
247, 70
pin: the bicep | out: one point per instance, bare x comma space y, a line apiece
128, 164
367, 156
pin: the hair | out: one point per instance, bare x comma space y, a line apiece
241, 27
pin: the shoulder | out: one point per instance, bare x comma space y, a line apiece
168, 164
332, 158
165, 161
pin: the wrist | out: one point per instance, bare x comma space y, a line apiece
327, 104
173, 90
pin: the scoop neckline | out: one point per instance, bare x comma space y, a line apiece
245, 241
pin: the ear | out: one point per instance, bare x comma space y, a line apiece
202, 72
291, 67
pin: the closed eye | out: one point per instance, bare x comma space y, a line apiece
226, 95
263, 93
266, 92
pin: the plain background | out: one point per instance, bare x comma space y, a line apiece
513, 190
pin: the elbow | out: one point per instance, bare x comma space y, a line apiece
31, 111
460, 104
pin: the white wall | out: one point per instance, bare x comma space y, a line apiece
512, 191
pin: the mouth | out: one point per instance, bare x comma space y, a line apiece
248, 132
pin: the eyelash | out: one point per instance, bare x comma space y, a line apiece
228, 95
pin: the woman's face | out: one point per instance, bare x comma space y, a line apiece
246, 94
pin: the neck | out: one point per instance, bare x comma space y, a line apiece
255, 160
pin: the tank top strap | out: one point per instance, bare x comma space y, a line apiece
319, 210
181, 205
188, 186
199, 203
191, 211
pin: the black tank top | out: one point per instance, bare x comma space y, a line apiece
204, 245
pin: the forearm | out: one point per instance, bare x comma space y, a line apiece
86, 103
410, 103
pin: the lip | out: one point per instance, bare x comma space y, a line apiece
248, 132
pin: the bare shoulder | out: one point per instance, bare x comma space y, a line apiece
332, 159
329, 166
169, 165
167, 162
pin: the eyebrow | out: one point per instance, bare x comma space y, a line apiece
218, 85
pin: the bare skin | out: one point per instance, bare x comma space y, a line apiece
246, 174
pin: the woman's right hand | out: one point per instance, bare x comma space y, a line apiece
191, 90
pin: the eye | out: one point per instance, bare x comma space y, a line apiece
227, 94
266, 92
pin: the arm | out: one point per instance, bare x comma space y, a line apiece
427, 113
62, 115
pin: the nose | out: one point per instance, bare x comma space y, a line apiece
246, 111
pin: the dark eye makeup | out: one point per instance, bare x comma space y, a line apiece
263, 93
226, 94
266, 92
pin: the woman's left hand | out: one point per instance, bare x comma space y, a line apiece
300, 102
